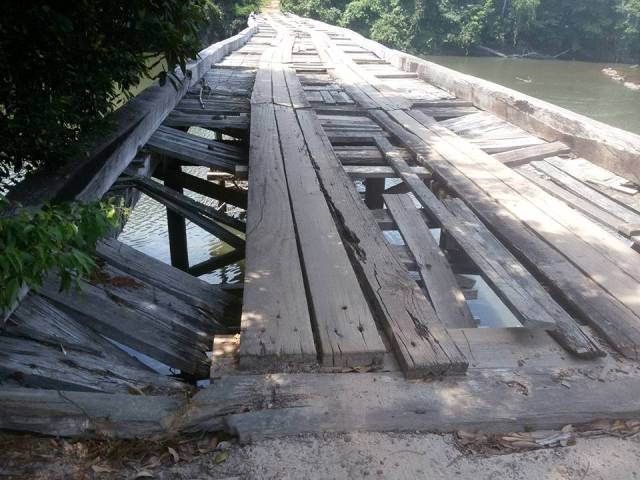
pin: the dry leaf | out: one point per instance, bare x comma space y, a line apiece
100, 469
143, 474
221, 457
174, 454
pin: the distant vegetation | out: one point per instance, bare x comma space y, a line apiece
605, 30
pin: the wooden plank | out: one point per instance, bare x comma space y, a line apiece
366, 171
344, 325
38, 365
74, 414
605, 203
419, 339
579, 203
257, 407
233, 196
447, 299
511, 282
276, 326
217, 262
595, 305
522, 156
186, 202
219, 305
160, 334
38, 319
185, 208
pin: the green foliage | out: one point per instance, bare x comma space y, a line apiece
63, 65
592, 30
58, 238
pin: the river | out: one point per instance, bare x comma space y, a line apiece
578, 86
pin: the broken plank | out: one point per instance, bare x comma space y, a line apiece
162, 335
441, 285
37, 365
511, 282
583, 294
215, 302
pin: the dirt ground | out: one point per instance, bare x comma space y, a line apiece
330, 456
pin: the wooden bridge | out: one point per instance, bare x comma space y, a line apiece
382, 194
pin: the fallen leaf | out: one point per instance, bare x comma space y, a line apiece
174, 454
143, 474
221, 457
100, 469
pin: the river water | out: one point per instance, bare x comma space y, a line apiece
578, 86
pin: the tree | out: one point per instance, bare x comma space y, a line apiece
64, 64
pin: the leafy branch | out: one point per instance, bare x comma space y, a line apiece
61, 238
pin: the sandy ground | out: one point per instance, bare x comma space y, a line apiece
336, 456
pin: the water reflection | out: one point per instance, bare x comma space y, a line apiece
147, 231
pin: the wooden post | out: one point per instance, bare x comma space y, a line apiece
374, 188
176, 223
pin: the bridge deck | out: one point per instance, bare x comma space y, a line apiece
379, 207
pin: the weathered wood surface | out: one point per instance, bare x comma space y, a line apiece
625, 215
344, 324
444, 293
73, 414
522, 156
417, 335
219, 305
512, 283
612, 148
154, 330
276, 325
34, 364
570, 282
256, 407
231, 195
90, 177
194, 150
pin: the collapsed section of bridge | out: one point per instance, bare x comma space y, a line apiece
384, 194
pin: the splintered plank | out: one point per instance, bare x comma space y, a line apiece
221, 307
38, 365
154, 330
346, 330
421, 342
522, 156
442, 287
276, 326
38, 319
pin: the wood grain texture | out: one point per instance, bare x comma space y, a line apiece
446, 297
